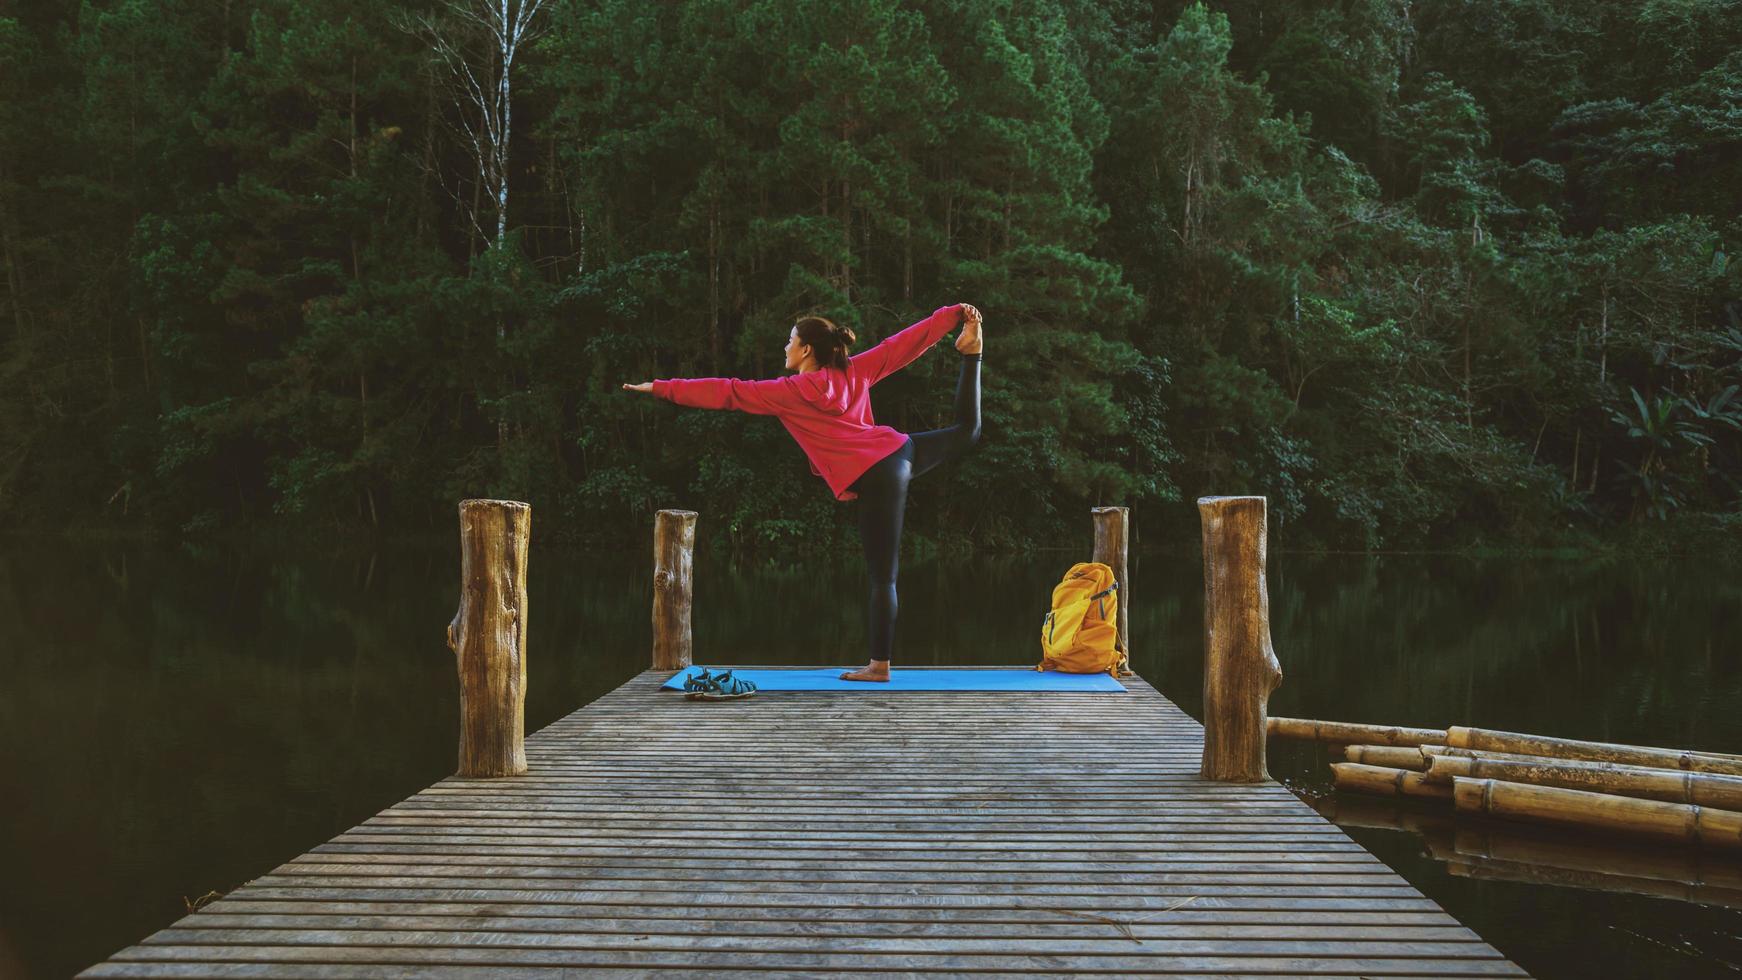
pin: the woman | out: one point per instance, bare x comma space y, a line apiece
827, 408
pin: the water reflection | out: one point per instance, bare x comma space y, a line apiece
180, 720
1494, 850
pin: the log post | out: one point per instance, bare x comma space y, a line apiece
1112, 542
1240, 667
488, 636
674, 543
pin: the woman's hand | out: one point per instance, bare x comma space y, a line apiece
645, 386
970, 314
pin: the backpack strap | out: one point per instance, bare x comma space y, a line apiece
1100, 596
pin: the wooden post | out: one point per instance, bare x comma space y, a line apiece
674, 542
1112, 541
1240, 668
488, 636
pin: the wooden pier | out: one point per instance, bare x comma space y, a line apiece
850, 833
865, 832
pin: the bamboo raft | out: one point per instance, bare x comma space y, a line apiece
813, 832
1603, 786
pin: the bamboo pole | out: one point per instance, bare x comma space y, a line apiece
674, 541
1578, 808
1567, 748
1436, 750
488, 636
1672, 786
1432, 750
1382, 781
1391, 756
1112, 544
1240, 667
1517, 757
1354, 733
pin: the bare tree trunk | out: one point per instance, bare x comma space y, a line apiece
949, 210
486, 88
907, 262
429, 127
1603, 341
472, 219
827, 272
550, 187
1009, 195
1469, 412
144, 354
577, 238
1186, 236
714, 285
356, 266
9, 251
846, 228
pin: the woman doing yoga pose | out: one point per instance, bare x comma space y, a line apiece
827, 408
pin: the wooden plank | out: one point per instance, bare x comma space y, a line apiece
855, 928
1151, 900
436, 972
1205, 912
1225, 964
723, 942
999, 833
363, 971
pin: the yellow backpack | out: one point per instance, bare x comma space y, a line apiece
1080, 634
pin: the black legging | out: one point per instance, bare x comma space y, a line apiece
882, 494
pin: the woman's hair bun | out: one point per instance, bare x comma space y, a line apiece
831, 340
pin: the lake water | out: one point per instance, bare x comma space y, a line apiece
180, 720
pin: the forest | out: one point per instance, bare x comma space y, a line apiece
1428, 274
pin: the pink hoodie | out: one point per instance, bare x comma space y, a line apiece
829, 410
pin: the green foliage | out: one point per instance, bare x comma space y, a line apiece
1427, 274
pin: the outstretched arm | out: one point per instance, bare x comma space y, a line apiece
901, 348
768, 397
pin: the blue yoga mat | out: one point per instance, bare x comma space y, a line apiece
829, 679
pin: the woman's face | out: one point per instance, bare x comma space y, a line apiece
796, 351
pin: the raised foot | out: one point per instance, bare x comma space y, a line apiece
876, 670
971, 340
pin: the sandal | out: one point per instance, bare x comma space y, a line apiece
698, 682
723, 687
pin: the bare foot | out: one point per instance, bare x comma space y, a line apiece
970, 341
876, 670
